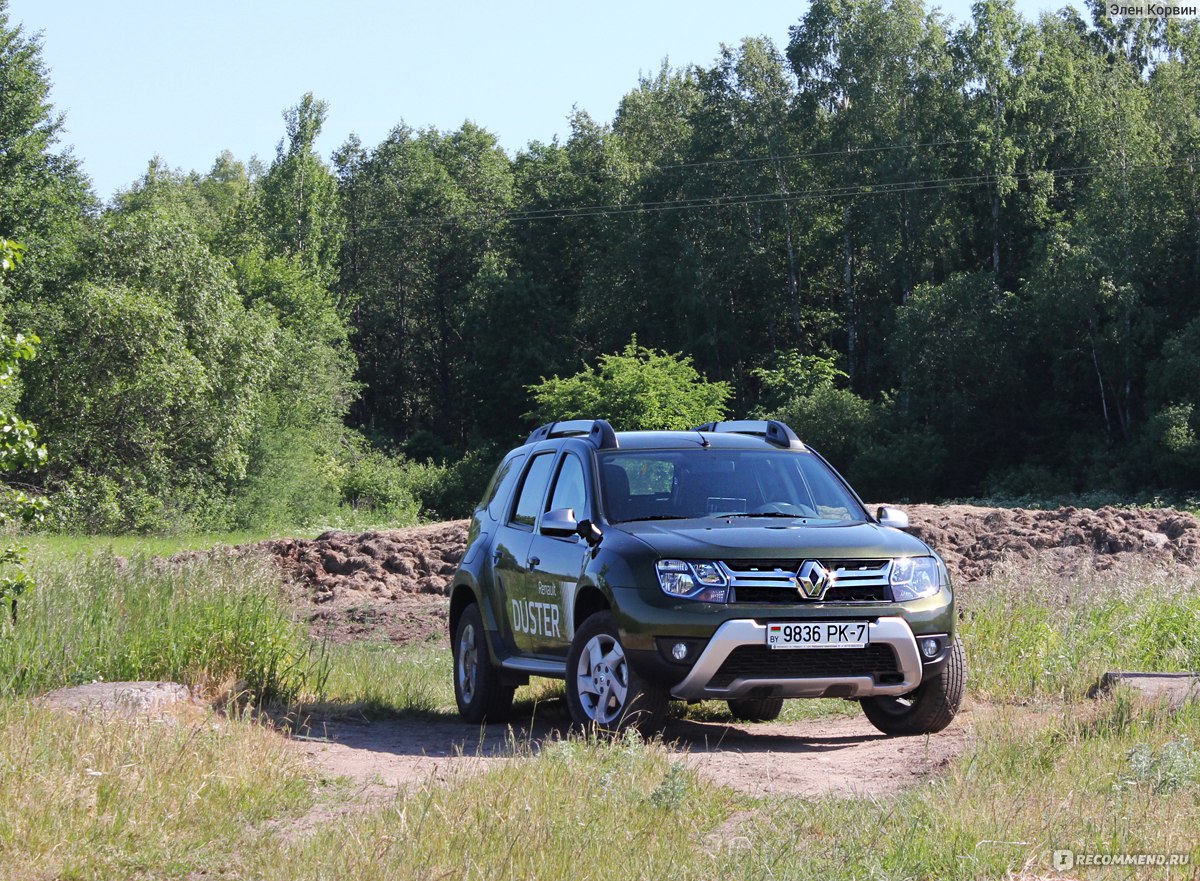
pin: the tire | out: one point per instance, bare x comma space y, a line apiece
928, 709
756, 709
603, 690
478, 689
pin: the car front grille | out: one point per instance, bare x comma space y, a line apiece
760, 662
774, 581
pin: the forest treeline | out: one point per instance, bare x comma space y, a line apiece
960, 258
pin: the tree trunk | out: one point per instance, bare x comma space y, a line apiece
906, 273
793, 281
997, 113
851, 329
1103, 397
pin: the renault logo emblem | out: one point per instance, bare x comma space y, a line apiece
812, 579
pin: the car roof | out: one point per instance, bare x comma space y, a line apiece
738, 434
669, 440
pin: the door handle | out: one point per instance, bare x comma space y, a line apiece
533, 562
496, 555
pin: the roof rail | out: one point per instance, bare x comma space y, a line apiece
771, 430
598, 431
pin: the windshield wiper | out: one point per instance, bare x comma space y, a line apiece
653, 517
771, 514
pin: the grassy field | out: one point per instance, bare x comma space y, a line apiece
218, 795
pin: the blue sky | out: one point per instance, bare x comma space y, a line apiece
187, 80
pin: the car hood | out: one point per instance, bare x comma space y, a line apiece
713, 538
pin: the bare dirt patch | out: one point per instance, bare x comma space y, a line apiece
842, 756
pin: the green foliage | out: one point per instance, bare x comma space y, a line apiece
299, 194
11, 254
44, 198
452, 490
793, 375
382, 484
638, 389
20, 453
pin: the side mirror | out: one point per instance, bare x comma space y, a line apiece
892, 517
559, 523
590, 532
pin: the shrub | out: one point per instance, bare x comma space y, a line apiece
639, 388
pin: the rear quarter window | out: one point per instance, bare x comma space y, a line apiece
500, 488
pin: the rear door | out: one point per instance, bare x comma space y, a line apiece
510, 553
556, 563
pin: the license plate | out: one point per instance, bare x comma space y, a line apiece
817, 635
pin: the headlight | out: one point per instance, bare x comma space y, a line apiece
697, 580
914, 578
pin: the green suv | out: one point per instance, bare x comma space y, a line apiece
730, 563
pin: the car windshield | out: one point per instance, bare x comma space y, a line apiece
686, 484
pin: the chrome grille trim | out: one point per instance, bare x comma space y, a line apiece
781, 574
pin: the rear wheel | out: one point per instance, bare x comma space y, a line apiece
478, 689
603, 690
760, 709
929, 708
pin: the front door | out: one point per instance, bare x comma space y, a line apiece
513, 553
559, 562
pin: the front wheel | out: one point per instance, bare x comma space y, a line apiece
927, 709
603, 689
478, 689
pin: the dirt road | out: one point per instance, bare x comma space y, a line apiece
837, 755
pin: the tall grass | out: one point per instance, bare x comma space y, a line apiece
211, 621
98, 797
1031, 634
1028, 785
380, 678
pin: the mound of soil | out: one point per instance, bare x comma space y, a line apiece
376, 584
384, 565
974, 541
393, 583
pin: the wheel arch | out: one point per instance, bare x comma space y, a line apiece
461, 596
588, 602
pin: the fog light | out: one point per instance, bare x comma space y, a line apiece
679, 651
929, 647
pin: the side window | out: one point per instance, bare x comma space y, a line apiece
501, 486
533, 489
569, 488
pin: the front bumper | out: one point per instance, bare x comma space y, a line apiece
893, 632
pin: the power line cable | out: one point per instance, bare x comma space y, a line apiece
745, 199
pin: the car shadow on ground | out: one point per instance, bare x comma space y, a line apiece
445, 735
835, 754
